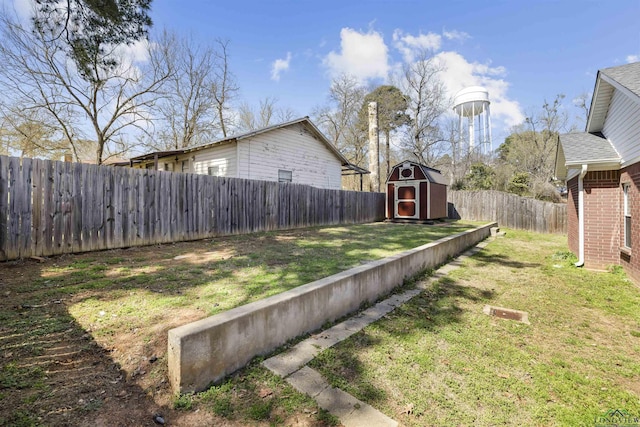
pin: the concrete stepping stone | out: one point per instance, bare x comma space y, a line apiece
351, 411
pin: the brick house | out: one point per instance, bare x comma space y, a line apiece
602, 170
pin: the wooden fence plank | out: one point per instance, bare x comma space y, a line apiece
117, 203
134, 187
37, 197
13, 223
102, 215
109, 212
86, 201
134, 194
56, 212
509, 210
4, 208
49, 208
24, 238
76, 197
67, 207
147, 207
125, 178
271, 205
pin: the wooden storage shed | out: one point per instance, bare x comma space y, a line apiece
416, 193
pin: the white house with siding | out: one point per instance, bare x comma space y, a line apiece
294, 151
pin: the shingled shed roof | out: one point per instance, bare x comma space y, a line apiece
432, 175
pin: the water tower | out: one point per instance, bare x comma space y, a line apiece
472, 104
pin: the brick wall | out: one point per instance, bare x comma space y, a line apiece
631, 261
602, 204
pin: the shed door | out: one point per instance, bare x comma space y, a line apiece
407, 200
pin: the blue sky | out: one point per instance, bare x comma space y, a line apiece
523, 51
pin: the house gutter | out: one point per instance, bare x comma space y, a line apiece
583, 172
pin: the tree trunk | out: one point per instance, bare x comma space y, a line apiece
222, 126
388, 152
99, 151
374, 148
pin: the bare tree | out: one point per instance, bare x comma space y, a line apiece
224, 86
102, 100
339, 119
427, 101
268, 114
186, 112
582, 103
544, 130
29, 135
530, 151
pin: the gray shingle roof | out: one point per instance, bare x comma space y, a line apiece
627, 75
434, 175
584, 148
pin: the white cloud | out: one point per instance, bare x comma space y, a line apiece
366, 56
410, 45
460, 73
362, 55
137, 51
132, 56
455, 35
279, 66
633, 58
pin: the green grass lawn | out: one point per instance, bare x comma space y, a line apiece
438, 360
77, 334
83, 336
229, 272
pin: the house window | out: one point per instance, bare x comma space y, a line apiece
213, 170
285, 175
627, 215
185, 166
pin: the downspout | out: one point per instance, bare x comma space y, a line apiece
583, 172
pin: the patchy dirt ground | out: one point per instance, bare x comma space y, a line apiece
54, 371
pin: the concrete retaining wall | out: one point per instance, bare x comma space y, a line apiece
208, 350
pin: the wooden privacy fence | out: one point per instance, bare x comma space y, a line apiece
509, 210
50, 208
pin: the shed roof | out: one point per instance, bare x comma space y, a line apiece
433, 175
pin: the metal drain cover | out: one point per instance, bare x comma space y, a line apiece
507, 313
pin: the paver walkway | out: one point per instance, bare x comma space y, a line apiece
352, 412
